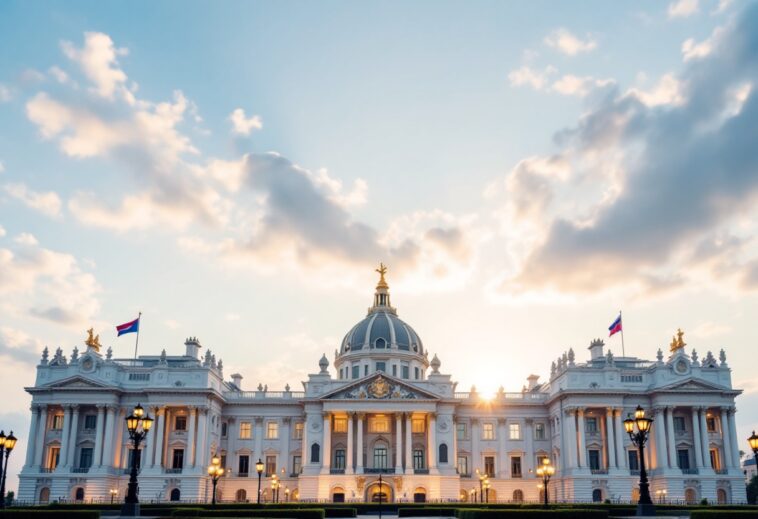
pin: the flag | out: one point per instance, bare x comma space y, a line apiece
615, 327
130, 327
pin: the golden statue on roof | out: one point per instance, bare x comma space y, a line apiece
677, 341
93, 342
382, 270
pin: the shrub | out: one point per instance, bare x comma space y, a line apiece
42, 514
426, 512
561, 513
312, 513
340, 512
724, 514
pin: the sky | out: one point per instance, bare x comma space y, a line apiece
236, 171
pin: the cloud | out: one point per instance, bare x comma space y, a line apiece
668, 91
98, 59
564, 41
48, 203
528, 76
568, 84
5, 93
242, 125
18, 347
579, 86
683, 8
693, 50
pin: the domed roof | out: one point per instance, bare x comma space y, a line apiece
382, 328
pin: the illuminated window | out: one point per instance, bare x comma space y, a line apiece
298, 434
272, 430
463, 465
418, 425
710, 423
514, 431
460, 431
488, 431
57, 422
489, 466
340, 425
379, 424
270, 465
180, 423
246, 431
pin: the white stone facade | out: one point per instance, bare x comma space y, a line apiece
385, 412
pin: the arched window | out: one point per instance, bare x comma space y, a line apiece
635, 495
315, 453
597, 495
419, 495
241, 495
380, 457
338, 495
339, 458
79, 494
518, 496
690, 496
443, 453
418, 459
44, 495
176, 495
721, 497
381, 343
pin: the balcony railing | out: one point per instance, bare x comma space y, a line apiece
634, 472
722, 471
80, 470
374, 470
690, 471
257, 395
421, 471
336, 471
47, 470
172, 471
538, 397
242, 474
598, 471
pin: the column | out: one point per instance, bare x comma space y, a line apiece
284, 448
733, 434
696, 439
32, 435
432, 454
147, 456
160, 433
258, 438
359, 453
349, 454
305, 455
408, 443
705, 444
621, 456
41, 431
670, 436
581, 458
72, 437
398, 443
63, 456
231, 447
502, 435
610, 440
569, 426
119, 428
191, 437
201, 457
727, 441
107, 455
476, 457
326, 460
529, 445
99, 436
661, 456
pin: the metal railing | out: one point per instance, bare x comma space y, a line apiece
172, 471
374, 470
336, 471
690, 471
598, 471
421, 471
534, 397
80, 470
257, 395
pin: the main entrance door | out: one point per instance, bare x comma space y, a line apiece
374, 491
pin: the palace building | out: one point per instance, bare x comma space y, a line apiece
385, 409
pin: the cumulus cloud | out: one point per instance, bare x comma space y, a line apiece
683, 8
578, 86
528, 76
19, 347
568, 84
48, 203
5, 93
98, 59
242, 125
564, 41
694, 50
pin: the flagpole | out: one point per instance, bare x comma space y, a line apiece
623, 352
139, 322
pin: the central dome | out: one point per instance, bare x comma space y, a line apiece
382, 329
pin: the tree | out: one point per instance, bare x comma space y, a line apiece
9, 497
752, 490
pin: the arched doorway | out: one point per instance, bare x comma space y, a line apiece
635, 495
690, 496
597, 495
374, 491
518, 496
294, 495
44, 495
419, 495
175, 494
338, 495
463, 496
491, 495
721, 496
241, 495
79, 494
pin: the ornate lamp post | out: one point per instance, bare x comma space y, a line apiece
138, 424
286, 494
545, 472
113, 492
643, 425
482, 476
487, 490
6, 444
381, 491
259, 470
215, 471
274, 489
753, 441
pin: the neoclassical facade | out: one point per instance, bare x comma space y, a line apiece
383, 409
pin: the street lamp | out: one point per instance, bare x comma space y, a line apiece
114, 493
6, 444
661, 495
381, 492
286, 494
274, 488
487, 490
215, 471
138, 424
753, 441
259, 470
643, 425
545, 471
482, 476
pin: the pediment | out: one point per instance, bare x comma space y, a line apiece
379, 386
76, 382
694, 385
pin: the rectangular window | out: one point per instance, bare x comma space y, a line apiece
340, 425
365, 370
514, 431
339, 459
55, 455
85, 458
594, 456
243, 466
541, 459
679, 425
223, 429
488, 431
463, 466
298, 434
246, 431
590, 425
178, 459
634, 460
356, 372
379, 424
57, 422
516, 466
489, 466
418, 459
394, 370
270, 466
715, 462
272, 430
380, 457
223, 460
415, 373
460, 431
404, 371
180, 423
418, 425
683, 459
297, 464
90, 421
381, 366
539, 431
710, 423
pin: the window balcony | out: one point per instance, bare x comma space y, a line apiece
465, 475
722, 471
634, 472
598, 471
690, 471
47, 470
421, 471
242, 474
336, 471
80, 470
374, 470
172, 471
517, 476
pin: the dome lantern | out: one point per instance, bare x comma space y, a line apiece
382, 294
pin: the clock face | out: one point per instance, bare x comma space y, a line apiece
87, 364
681, 367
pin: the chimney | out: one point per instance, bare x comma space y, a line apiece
532, 379
237, 380
192, 346
596, 349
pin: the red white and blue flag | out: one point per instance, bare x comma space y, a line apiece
615, 327
130, 327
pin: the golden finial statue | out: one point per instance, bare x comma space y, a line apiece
93, 341
677, 342
382, 270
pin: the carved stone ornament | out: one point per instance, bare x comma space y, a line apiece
379, 388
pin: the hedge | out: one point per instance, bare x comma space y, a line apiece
426, 512
723, 514
39, 514
312, 513
561, 513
